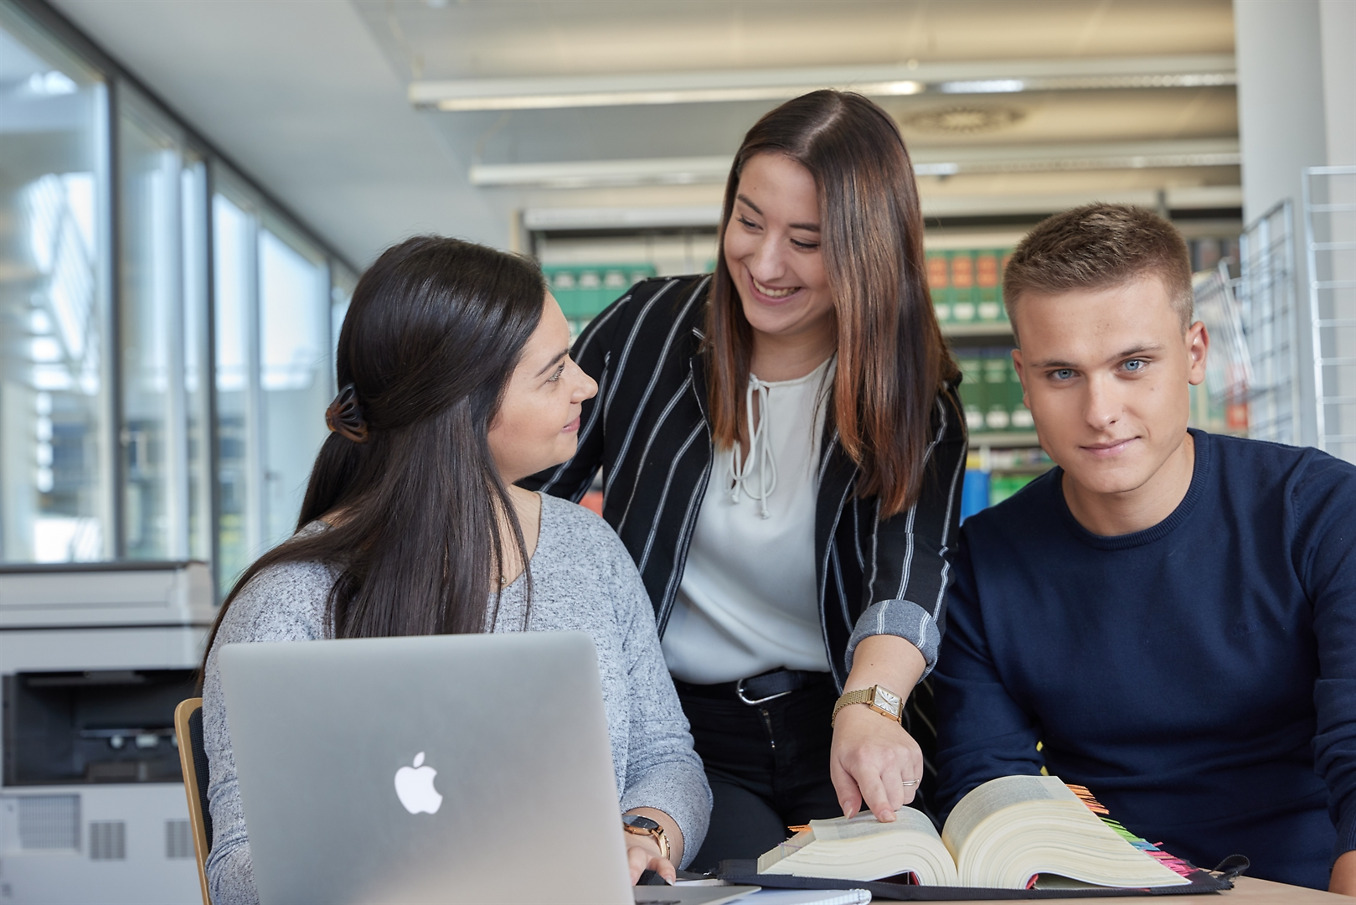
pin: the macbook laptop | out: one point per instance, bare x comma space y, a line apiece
443, 769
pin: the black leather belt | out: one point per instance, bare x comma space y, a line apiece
765, 686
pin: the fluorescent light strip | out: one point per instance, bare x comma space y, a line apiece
1086, 163
712, 86
620, 98
932, 162
671, 96
600, 173
934, 205
1086, 83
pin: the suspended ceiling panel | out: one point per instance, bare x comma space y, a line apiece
310, 97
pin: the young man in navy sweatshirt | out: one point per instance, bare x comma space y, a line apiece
1167, 616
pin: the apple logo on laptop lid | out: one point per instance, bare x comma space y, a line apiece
414, 787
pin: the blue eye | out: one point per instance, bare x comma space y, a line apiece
1135, 364
1062, 374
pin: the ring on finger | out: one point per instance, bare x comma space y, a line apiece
910, 782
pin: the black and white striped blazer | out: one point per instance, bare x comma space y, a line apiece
648, 430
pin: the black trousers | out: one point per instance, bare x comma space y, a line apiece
768, 765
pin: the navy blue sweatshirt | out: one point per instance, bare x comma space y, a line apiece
1199, 677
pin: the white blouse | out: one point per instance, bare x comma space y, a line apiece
748, 601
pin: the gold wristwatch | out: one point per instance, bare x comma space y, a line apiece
640, 825
878, 698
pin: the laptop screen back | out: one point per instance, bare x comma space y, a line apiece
444, 769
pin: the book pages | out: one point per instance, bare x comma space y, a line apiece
1016, 827
1004, 834
987, 799
862, 848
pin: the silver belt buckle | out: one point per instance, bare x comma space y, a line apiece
739, 692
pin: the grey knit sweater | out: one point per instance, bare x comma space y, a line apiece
583, 579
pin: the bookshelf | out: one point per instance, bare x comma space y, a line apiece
966, 285
584, 290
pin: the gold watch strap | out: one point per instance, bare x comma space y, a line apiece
865, 696
655, 832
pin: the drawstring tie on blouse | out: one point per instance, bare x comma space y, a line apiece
760, 452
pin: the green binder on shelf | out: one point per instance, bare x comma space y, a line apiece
1020, 419
972, 390
997, 391
584, 290
939, 285
988, 286
962, 272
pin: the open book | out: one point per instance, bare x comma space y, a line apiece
1014, 832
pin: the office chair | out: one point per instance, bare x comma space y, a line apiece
193, 763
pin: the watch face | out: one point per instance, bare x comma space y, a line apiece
887, 700
641, 822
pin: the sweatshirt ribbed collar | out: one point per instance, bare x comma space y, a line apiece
1199, 476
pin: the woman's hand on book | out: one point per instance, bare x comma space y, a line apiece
871, 760
872, 756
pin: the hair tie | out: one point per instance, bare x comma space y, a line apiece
345, 418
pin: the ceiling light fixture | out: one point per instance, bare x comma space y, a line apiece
982, 86
710, 86
603, 173
939, 162
648, 88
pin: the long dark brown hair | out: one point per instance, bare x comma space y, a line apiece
892, 360
433, 333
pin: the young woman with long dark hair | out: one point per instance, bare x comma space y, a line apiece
457, 382
782, 447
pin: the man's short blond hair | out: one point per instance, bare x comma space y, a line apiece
1098, 246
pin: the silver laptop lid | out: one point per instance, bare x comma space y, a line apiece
444, 769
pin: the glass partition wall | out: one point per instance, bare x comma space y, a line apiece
295, 374
56, 431
273, 372
239, 469
162, 340
166, 330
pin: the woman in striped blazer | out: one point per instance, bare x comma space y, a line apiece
782, 449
